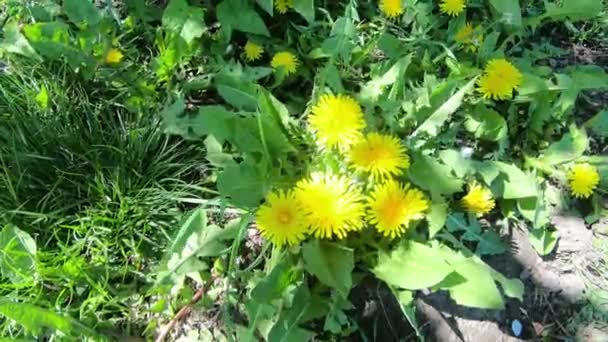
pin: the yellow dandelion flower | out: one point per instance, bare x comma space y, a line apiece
281, 219
337, 121
332, 206
285, 60
283, 6
253, 51
391, 8
478, 200
499, 79
392, 206
380, 155
471, 38
583, 179
452, 7
113, 56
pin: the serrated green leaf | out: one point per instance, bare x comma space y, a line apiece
508, 12
412, 266
238, 92
543, 240
82, 12
487, 124
195, 239
331, 263
306, 8
240, 15
572, 146
429, 174
274, 284
266, 5
573, 9
488, 242
437, 217
433, 123
476, 288
599, 123
244, 185
507, 180
185, 20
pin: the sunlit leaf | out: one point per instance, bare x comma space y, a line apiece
412, 266
331, 263
17, 254
35, 319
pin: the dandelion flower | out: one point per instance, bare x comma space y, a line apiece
285, 60
392, 206
452, 7
583, 179
380, 155
283, 6
332, 206
337, 121
253, 51
499, 79
281, 219
113, 56
469, 37
391, 8
478, 200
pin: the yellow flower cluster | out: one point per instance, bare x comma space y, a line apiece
327, 205
282, 60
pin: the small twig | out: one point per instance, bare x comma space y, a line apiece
183, 312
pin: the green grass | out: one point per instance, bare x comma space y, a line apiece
99, 188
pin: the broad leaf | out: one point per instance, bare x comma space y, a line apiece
287, 329
599, 123
573, 9
433, 123
240, 15
82, 12
508, 12
507, 180
185, 20
543, 240
195, 239
412, 266
331, 263
429, 174
437, 217
273, 285
237, 91
15, 42
487, 124
245, 184
306, 8
572, 146
17, 254
474, 286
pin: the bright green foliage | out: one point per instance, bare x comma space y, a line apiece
35, 319
413, 266
331, 263
17, 254
137, 143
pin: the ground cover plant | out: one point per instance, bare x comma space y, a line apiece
290, 170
